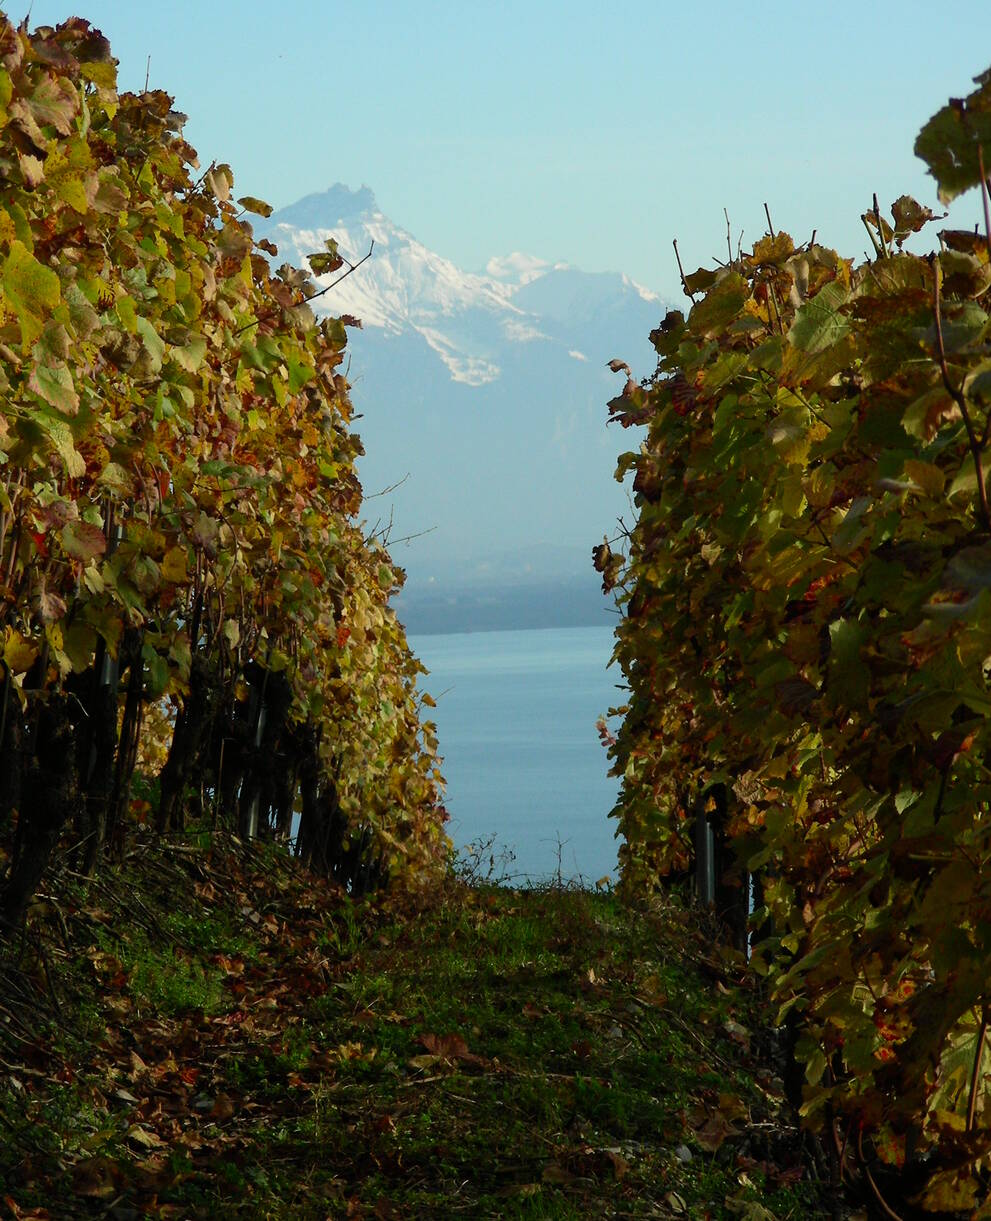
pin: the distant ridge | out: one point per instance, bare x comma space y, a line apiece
328, 207
482, 394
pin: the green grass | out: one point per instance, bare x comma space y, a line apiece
270, 1050
170, 983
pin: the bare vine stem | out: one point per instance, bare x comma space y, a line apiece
975, 1073
352, 267
959, 398
773, 296
880, 228
984, 197
878, 254
681, 271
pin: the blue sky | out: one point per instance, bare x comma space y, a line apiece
563, 129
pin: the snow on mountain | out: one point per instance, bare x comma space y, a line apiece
464, 316
516, 269
403, 285
482, 403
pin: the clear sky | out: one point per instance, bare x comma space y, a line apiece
578, 131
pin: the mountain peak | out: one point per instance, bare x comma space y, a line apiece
517, 268
476, 323
324, 209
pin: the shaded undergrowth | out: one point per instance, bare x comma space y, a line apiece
267, 1048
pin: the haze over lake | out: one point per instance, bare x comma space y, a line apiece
516, 714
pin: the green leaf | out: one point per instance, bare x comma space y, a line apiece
205, 531
971, 568
977, 384
851, 531
323, 264
950, 141
173, 566
127, 312
951, 1191
101, 73
700, 281
32, 290
927, 476
154, 345
300, 373
190, 355
723, 303
116, 479
6, 93
71, 189
849, 681
79, 645
62, 439
965, 482
819, 324
156, 670
53, 384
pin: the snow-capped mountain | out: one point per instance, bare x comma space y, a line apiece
482, 393
465, 317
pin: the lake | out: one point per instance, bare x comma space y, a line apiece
516, 713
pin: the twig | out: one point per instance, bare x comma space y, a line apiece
48, 978
681, 271
870, 233
767, 213
729, 240
407, 538
976, 1071
147, 73
984, 197
880, 228
958, 397
313, 296
940, 796
385, 491
773, 296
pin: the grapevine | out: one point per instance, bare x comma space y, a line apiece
807, 630
186, 590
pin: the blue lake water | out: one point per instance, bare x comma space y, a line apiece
516, 715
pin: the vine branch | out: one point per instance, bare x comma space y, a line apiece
681, 271
959, 398
975, 1074
352, 267
984, 197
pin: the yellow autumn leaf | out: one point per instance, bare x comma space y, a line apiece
927, 476
173, 566
18, 654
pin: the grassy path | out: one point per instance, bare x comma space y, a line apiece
233, 1042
